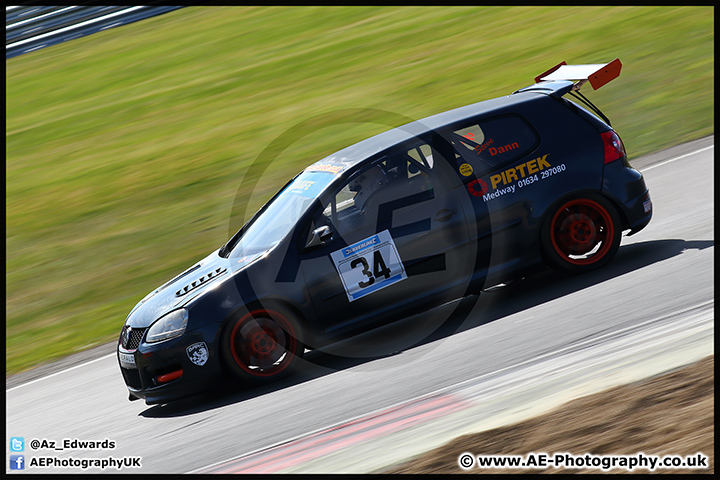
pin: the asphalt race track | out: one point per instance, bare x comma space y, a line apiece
357, 408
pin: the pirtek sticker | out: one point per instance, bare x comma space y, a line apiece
477, 187
511, 174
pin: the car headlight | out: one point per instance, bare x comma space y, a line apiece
170, 326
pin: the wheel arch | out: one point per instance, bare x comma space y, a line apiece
617, 204
276, 304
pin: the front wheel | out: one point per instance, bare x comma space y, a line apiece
582, 234
261, 345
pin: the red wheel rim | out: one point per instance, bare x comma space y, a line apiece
582, 232
262, 343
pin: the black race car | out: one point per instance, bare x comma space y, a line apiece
396, 224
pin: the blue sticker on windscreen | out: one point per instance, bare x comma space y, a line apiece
310, 184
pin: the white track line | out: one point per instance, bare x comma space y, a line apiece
112, 354
61, 371
28, 20
676, 158
73, 27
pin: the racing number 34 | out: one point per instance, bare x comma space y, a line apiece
369, 265
379, 269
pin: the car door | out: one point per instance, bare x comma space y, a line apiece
396, 241
497, 159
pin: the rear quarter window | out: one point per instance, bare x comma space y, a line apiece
492, 142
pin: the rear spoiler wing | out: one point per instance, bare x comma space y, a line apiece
559, 80
564, 78
597, 74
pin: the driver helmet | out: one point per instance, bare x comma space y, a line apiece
367, 183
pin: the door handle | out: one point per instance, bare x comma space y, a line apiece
444, 215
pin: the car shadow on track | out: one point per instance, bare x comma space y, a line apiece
440, 323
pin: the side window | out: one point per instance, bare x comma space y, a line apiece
422, 154
392, 180
493, 142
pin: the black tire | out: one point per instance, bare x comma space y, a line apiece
581, 234
261, 345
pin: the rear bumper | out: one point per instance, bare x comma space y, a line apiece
640, 209
626, 187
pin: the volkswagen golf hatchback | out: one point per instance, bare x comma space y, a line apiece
394, 225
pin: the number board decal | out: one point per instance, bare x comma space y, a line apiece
369, 265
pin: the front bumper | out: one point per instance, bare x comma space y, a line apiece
164, 371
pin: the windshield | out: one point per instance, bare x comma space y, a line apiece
282, 214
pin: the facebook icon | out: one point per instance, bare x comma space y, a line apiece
17, 462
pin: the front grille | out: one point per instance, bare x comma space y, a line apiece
132, 377
131, 341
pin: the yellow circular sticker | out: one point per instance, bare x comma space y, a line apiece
466, 169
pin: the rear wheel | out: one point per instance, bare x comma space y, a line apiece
261, 345
582, 234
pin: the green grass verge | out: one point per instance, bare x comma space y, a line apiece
125, 149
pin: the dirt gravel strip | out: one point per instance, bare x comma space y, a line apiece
670, 414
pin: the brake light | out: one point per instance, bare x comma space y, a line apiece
614, 148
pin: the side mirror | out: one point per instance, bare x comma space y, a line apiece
319, 235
